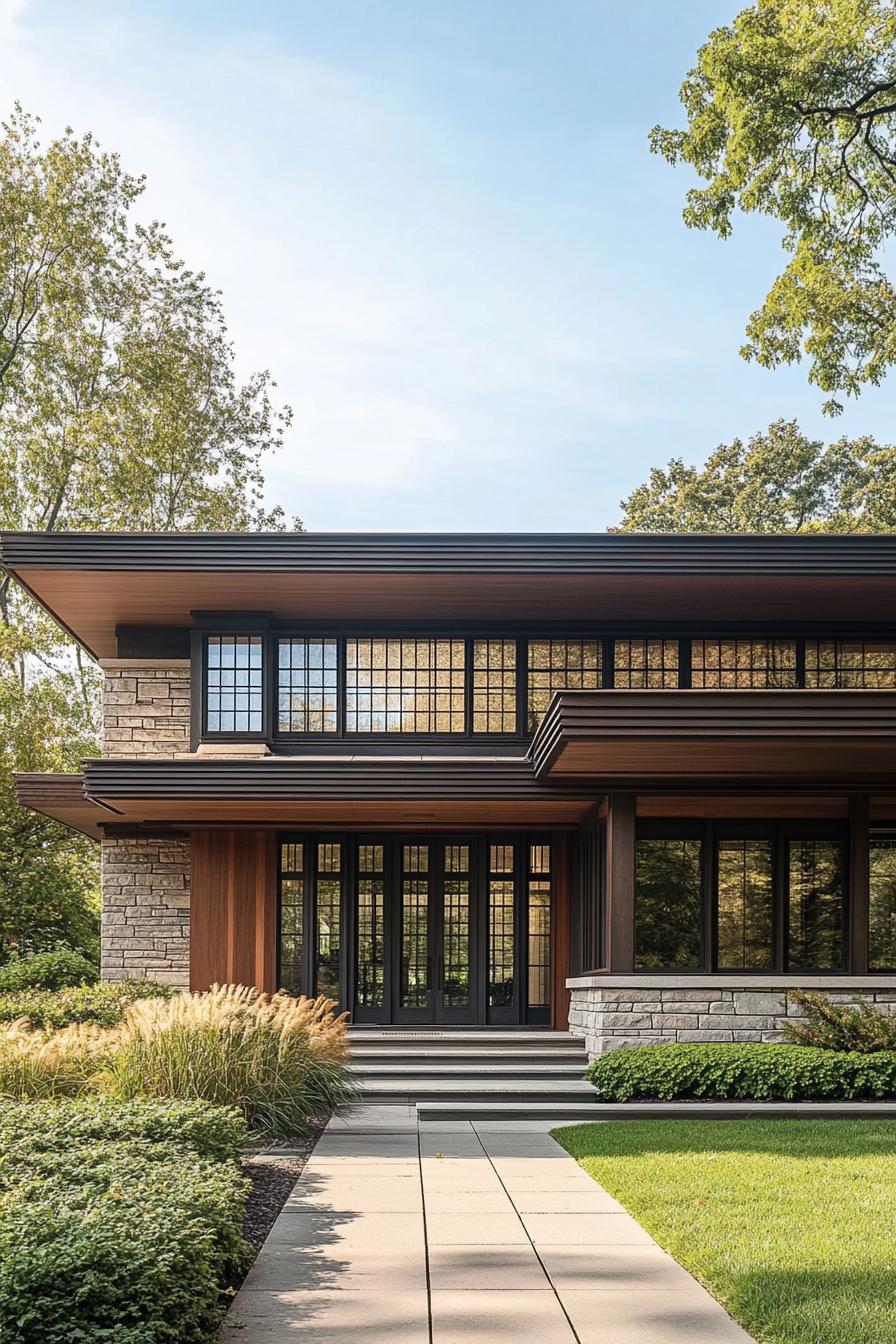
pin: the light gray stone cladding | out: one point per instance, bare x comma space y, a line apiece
609, 1011
146, 707
146, 910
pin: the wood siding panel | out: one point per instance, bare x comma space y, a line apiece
233, 909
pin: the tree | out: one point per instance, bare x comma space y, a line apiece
791, 112
779, 481
120, 407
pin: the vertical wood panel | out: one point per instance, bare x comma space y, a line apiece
233, 907
560, 931
620, 890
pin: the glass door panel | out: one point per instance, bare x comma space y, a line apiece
414, 986
370, 914
328, 919
453, 934
502, 942
539, 933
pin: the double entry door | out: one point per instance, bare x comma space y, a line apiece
436, 929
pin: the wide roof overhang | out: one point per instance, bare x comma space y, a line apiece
95, 582
844, 738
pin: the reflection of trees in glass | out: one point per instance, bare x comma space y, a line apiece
560, 665
745, 884
743, 664
851, 664
882, 907
405, 685
668, 904
815, 935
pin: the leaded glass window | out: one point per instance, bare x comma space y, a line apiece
640, 664
307, 671
851, 664
405, 685
414, 986
292, 917
539, 925
494, 686
329, 918
456, 926
743, 664
501, 887
559, 665
745, 928
233, 684
371, 926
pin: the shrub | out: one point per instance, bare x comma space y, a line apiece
125, 1239
35, 1066
279, 1059
47, 970
210, 1131
840, 1026
104, 1004
742, 1073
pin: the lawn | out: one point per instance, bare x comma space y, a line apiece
790, 1223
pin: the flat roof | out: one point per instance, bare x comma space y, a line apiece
92, 583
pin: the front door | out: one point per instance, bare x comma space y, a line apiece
434, 919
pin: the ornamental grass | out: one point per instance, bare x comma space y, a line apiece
280, 1060
39, 1065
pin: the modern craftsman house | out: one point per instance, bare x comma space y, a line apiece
637, 784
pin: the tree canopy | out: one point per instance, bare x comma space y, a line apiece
120, 407
778, 481
791, 113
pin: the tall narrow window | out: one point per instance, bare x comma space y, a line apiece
745, 929
306, 685
494, 686
851, 664
882, 904
456, 927
559, 665
501, 884
371, 930
405, 685
233, 684
743, 664
668, 904
815, 905
329, 919
292, 918
640, 664
539, 919
415, 984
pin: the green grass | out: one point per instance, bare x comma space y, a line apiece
790, 1223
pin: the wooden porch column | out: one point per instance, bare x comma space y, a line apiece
859, 879
619, 905
233, 909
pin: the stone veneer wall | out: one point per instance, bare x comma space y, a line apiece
146, 707
146, 910
723, 1008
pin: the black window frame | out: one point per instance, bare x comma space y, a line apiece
881, 831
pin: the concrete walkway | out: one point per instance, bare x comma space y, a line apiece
465, 1232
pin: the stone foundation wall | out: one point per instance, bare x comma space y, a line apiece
146, 707
612, 1011
146, 910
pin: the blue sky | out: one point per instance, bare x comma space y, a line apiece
440, 227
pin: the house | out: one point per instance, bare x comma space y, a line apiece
640, 785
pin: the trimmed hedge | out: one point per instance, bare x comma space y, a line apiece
125, 1239
47, 970
104, 1004
742, 1073
46, 1126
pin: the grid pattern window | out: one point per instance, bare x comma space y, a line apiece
405, 685
329, 919
371, 926
743, 664
559, 665
494, 686
456, 926
839, 664
307, 692
292, 922
233, 684
539, 921
501, 890
645, 664
414, 987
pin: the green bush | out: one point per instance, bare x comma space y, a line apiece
44, 1126
47, 970
124, 1239
742, 1073
856, 1025
104, 1004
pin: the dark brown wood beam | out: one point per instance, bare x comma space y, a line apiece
620, 883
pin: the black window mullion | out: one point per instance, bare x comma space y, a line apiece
684, 664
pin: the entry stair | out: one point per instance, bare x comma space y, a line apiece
457, 1074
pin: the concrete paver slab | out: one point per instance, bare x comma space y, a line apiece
499, 1317
515, 1268
651, 1318
625, 1268
585, 1229
459, 1229
328, 1318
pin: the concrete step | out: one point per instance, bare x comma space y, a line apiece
383, 1090
471, 1038
568, 1113
377, 1054
473, 1068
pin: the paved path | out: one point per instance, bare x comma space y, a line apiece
460, 1233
